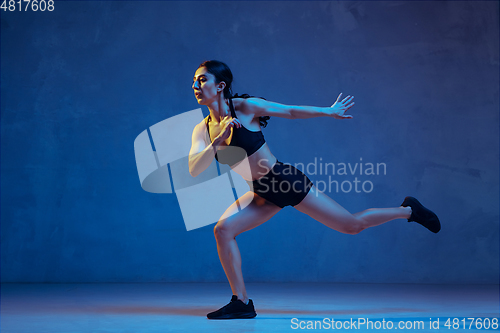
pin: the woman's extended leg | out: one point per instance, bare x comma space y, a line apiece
324, 209
231, 224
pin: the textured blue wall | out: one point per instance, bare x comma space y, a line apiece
80, 83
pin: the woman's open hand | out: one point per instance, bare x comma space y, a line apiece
227, 123
338, 109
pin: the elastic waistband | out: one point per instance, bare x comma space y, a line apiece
274, 166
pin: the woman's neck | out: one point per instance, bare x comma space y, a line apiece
217, 111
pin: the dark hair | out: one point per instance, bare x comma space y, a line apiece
222, 72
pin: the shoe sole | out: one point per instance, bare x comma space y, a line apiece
237, 315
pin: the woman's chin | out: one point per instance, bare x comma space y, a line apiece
201, 100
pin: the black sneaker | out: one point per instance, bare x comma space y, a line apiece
422, 215
236, 309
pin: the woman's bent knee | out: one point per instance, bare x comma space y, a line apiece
221, 231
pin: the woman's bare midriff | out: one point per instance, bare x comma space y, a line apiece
256, 165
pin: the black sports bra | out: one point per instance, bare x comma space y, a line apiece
249, 141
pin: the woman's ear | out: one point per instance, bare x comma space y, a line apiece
222, 85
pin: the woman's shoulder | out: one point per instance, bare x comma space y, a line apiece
202, 125
241, 102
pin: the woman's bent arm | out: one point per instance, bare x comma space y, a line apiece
201, 155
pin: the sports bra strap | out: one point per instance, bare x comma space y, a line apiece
232, 108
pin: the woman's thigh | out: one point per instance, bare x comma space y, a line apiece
256, 210
324, 209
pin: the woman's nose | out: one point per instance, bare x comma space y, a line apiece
195, 85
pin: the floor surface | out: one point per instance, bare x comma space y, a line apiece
281, 307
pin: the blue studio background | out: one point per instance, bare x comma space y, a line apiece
80, 83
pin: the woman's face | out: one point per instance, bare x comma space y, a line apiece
205, 87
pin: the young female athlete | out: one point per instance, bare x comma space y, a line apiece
236, 122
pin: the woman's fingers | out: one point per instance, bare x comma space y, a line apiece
349, 106
235, 122
347, 99
336, 100
231, 123
344, 101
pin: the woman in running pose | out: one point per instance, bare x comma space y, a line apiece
235, 121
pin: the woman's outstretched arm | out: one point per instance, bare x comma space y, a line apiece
260, 107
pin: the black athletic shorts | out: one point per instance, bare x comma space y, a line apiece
284, 185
